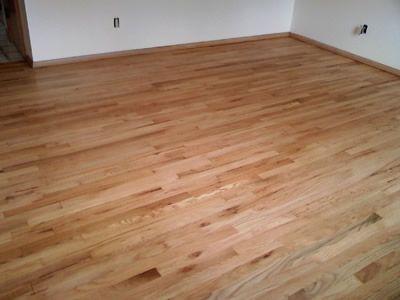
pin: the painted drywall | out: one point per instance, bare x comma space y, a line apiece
61, 29
335, 22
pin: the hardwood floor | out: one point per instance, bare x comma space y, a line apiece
259, 170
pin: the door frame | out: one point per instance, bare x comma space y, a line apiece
23, 31
3, 12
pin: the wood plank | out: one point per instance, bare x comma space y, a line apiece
265, 169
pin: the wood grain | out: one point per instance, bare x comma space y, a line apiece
261, 170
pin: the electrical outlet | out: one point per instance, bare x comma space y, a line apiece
364, 29
116, 22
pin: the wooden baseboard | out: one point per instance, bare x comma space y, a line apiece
62, 61
346, 54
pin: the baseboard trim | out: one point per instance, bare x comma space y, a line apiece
86, 58
63, 61
346, 54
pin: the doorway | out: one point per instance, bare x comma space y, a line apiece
12, 46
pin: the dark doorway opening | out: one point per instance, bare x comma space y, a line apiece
12, 46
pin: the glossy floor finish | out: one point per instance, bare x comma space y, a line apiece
259, 170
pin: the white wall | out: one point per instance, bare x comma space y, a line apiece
333, 22
67, 28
